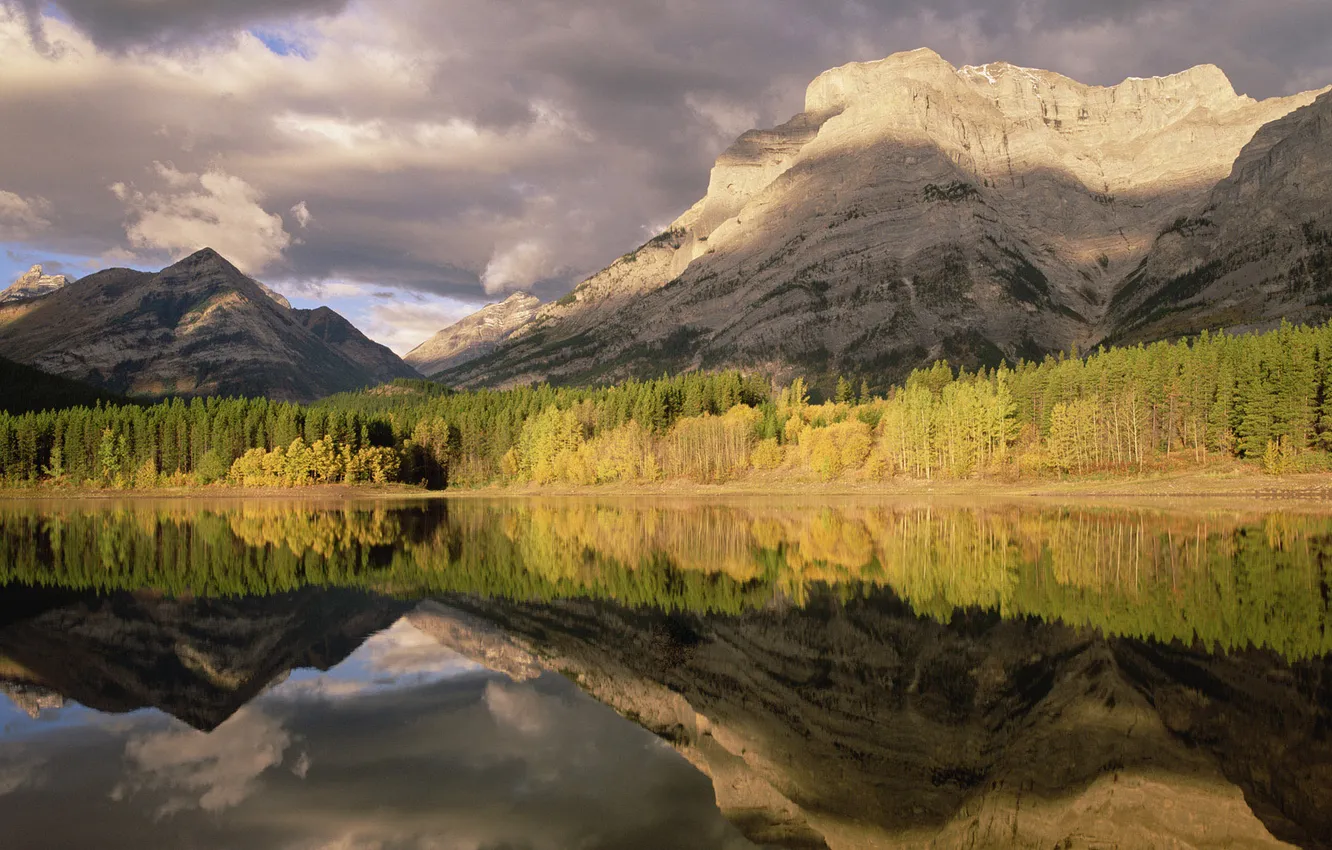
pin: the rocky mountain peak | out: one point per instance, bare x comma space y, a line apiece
34, 283
207, 261
475, 335
913, 211
198, 327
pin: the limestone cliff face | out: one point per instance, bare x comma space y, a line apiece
860, 725
1259, 249
33, 283
199, 327
913, 210
474, 336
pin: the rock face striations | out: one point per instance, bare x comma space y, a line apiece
1257, 251
857, 724
473, 336
915, 210
33, 284
199, 327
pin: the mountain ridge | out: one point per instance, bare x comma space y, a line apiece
474, 335
34, 283
912, 211
197, 327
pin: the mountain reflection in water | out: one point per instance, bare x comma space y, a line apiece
854, 674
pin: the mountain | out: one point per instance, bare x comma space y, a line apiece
1260, 248
341, 335
473, 336
198, 660
854, 723
33, 284
199, 327
913, 210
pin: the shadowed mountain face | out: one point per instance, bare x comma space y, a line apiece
913, 211
1259, 249
197, 660
860, 724
377, 360
199, 327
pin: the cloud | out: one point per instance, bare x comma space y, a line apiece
517, 267
124, 24
465, 149
22, 217
517, 707
212, 209
20, 769
403, 324
211, 771
302, 215
403, 652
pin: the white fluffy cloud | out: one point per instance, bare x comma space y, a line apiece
302, 215
209, 210
21, 218
402, 324
518, 267
211, 771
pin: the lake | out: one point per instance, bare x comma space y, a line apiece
664, 673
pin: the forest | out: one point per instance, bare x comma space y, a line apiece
1260, 398
1223, 579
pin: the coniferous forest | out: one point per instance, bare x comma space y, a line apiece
1264, 398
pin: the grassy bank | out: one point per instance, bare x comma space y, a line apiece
1220, 482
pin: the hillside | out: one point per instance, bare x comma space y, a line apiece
24, 389
912, 211
335, 331
474, 336
198, 327
1257, 251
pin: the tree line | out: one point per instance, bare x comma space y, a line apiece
1221, 580
1265, 398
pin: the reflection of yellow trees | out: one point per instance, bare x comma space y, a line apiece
323, 532
558, 540
1222, 578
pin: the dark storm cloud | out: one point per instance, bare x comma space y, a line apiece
436, 145
122, 24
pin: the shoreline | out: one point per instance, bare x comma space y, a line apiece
1208, 485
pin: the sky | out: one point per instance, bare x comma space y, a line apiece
407, 161
405, 745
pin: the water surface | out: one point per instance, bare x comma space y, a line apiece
663, 673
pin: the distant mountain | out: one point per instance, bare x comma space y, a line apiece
914, 211
33, 284
24, 389
1258, 250
199, 327
341, 335
473, 336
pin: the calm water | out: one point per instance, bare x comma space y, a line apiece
663, 674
